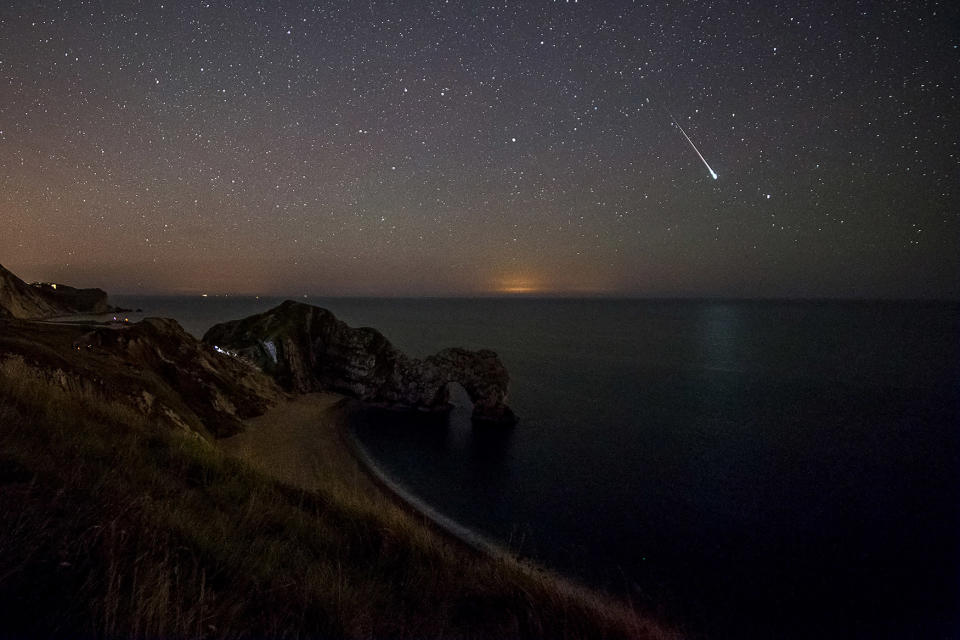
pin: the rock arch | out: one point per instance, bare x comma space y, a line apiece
481, 374
313, 350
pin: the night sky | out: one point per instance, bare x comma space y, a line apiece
458, 148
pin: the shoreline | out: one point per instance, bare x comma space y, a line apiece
443, 525
125, 530
464, 537
306, 441
296, 441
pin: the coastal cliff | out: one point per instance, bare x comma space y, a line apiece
72, 300
120, 514
45, 299
154, 366
295, 347
20, 300
306, 348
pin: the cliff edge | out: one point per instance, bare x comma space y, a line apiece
46, 299
20, 300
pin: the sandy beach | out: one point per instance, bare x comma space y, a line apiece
304, 442
299, 442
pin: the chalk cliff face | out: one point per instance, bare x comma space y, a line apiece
43, 300
306, 348
20, 300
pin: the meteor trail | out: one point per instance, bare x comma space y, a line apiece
713, 174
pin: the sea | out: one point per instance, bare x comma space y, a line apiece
740, 469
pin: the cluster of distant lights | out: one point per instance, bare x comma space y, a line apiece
224, 351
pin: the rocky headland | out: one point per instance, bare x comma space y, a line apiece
240, 369
46, 299
153, 366
306, 348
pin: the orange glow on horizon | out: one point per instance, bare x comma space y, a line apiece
517, 285
535, 285
518, 289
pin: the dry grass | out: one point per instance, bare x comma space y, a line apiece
111, 526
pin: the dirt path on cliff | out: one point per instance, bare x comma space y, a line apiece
299, 442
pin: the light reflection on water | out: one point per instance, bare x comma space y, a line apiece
710, 458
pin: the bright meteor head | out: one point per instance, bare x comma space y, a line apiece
713, 174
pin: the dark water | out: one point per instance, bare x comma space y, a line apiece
746, 469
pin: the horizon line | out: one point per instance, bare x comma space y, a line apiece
550, 296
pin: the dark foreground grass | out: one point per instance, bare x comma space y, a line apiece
113, 527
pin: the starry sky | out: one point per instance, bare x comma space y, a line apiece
475, 148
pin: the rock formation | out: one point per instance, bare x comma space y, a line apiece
153, 366
220, 389
44, 300
306, 348
239, 369
73, 300
20, 300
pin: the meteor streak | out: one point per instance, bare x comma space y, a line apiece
713, 174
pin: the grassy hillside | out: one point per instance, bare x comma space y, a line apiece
112, 526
